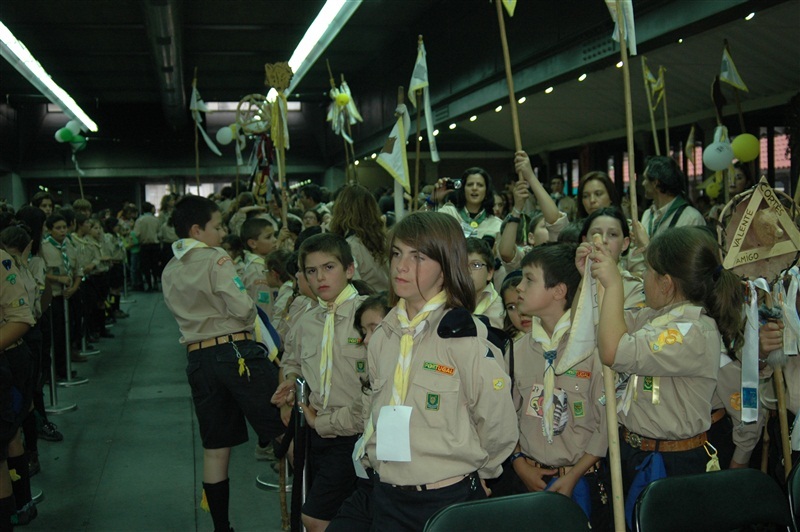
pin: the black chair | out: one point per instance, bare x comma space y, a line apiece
793, 486
722, 500
531, 511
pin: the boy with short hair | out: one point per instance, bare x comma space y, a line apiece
563, 433
258, 237
481, 269
230, 375
279, 279
326, 349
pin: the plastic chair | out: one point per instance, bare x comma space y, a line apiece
530, 511
793, 486
722, 500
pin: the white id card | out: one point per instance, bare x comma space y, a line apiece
393, 437
360, 471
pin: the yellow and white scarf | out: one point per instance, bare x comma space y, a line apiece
486, 302
326, 362
550, 346
184, 245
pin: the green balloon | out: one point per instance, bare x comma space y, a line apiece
78, 143
64, 135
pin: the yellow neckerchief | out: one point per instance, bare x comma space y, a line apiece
631, 392
181, 247
326, 362
250, 258
550, 346
486, 302
403, 368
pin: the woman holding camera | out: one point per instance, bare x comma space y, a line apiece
472, 203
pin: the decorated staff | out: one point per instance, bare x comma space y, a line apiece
656, 89
342, 114
278, 76
393, 156
197, 106
512, 99
418, 88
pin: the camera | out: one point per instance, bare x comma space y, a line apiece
452, 184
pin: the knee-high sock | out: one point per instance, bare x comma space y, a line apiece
21, 486
217, 496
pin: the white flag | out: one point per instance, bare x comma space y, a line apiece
729, 74
627, 15
393, 155
197, 105
419, 81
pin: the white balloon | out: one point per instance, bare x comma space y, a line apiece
74, 127
718, 156
225, 136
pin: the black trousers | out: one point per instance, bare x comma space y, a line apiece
150, 255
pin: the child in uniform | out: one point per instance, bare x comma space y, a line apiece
230, 375
325, 348
279, 281
438, 380
258, 237
481, 268
563, 433
671, 348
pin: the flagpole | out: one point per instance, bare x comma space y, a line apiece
509, 80
354, 168
666, 116
398, 188
196, 140
647, 90
626, 75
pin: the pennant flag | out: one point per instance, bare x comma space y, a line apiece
729, 74
688, 150
656, 85
342, 111
510, 6
627, 14
197, 105
352, 112
419, 81
393, 155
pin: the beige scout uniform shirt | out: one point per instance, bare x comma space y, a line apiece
371, 272
343, 417
728, 396
281, 300
255, 280
684, 353
490, 226
496, 311
113, 247
38, 268
95, 250
82, 250
585, 431
289, 317
15, 304
146, 228
463, 418
203, 292
55, 263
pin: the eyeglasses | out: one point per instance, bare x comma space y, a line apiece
477, 265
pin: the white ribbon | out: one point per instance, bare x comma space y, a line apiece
791, 322
749, 388
197, 105
77, 168
582, 338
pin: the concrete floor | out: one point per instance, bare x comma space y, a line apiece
131, 459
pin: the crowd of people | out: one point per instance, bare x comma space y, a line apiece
433, 346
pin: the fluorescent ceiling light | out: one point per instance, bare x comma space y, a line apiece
232, 106
750, 16
330, 20
548, 90
473, 118
498, 108
582, 77
619, 64
20, 58
522, 100
452, 126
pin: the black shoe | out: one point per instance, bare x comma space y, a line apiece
49, 432
25, 515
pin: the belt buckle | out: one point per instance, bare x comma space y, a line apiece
634, 440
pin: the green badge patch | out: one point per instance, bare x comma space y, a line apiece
354, 341
12, 278
239, 284
577, 409
361, 366
19, 303
263, 297
432, 402
647, 385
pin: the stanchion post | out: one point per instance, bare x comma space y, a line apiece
124, 298
69, 381
54, 407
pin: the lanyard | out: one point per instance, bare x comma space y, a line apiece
677, 203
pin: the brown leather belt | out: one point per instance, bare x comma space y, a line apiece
716, 415
563, 470
665, 446
211, 342
434, 485
13, 345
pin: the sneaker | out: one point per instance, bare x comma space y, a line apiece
24, 516
49, 432
34, 467
265, 453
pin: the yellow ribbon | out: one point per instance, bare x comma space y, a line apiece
486, 302
326, 362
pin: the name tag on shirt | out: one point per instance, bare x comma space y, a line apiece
393, 434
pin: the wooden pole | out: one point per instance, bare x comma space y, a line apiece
349, 145
780, 392
419, 148
196, 141
626, 75
512, 99
398, 188
666, 115
612, 424
647, 91
282, 493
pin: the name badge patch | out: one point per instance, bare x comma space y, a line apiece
580, 373
355, 341
438, 368
220, 262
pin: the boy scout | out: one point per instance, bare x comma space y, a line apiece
562, 424
258, 237
481, 269
230, 375
325, 348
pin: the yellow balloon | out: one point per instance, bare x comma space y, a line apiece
746, 147
713, 190
342, 99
